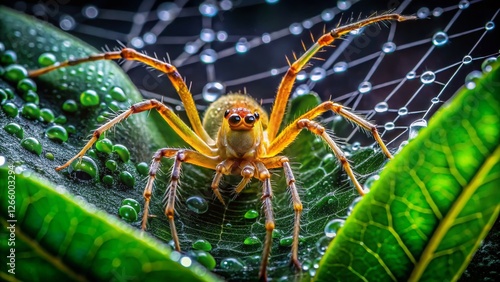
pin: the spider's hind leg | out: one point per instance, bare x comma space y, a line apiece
180, 156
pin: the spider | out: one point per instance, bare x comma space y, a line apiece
236, 136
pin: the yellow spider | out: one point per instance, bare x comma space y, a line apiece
237, 136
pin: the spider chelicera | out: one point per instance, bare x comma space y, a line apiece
236, 136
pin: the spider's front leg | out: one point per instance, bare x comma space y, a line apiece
180, 156
170, 117
288, 135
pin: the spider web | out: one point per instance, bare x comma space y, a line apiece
395, 74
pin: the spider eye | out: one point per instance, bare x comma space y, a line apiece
226, 113
256, 115
234, 119
250, 119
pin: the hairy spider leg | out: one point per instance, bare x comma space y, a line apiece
283, 162
180, 156
184, 131
286, 84
171, 71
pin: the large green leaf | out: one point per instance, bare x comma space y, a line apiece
434, 203
58, 237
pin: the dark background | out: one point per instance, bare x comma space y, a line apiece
250, 19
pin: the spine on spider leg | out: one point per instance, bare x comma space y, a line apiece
97, 57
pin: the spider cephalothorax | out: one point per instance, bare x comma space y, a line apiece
236, 136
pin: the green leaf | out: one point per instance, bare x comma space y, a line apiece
433, 204
53, 236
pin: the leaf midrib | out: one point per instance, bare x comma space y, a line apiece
55, 261
458, 205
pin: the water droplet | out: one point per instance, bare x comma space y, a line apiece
438, 11
202, 244
133, 203
322, 244
90, 11
340, 67
207, 35
251, 214
204, 258
351, 206
47, 59
415, 127
301, 90
186, 261
226, 5
327, 15
403, 111
423, 12
357, 31
295, 28
411, 75
67, 22
317, 74
467, 59
222, 36
108, 180
84, 168
142, 168
272, 1
389, 125
354, 147
344, 4
463, 4
89, 98
2, 160
166, 11
14, 73
252, 240
32, 144
302, 75
191, 48
307, 24
364, 87
208, 56
435, 100
31, 111
471, 78
10, 109
242, 45
118, 94
381, 107
208, 9
47, 115
439, 38
14, 129
333, 226
127, 178
127, 213
111, 165
369, 182
232, 264
389, 47
276, 233
266, 38
137, 42
286, 241
489, 25
197, 204
70, 106
212, 91
306, 265
487, 64
428, 77
57, 133
122, 152
149, 38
